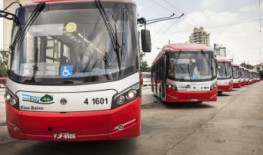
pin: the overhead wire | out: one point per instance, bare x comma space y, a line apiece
173, 6
219, 26
164, 29
165, 8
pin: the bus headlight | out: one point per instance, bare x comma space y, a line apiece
7, 96
171, 86
126, 96
120, 100
131, 94
213, 86
11, 99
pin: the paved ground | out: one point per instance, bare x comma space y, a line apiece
232, 125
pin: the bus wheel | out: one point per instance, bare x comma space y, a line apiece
220, 93
164, 102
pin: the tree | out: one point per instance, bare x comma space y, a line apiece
3, 63
145, 67
246, 65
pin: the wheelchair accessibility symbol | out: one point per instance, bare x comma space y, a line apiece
66, 71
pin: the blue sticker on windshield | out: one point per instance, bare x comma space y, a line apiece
66, 71
194, 77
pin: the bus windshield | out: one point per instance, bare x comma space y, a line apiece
191, 66
236, 72
224, 70
2, 81
70, 44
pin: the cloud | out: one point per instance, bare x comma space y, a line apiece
208, 3
241, 37
140, 8
249, 8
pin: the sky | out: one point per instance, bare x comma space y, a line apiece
234, 24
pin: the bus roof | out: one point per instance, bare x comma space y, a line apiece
183, 47
222, 59
71, 1
235, 64
186, 47
146, 72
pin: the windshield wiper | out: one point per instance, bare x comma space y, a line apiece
113, 36
225, 69
188, 69
209, 63
21, 34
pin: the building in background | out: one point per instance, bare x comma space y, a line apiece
200, 36
220, 50
258, 67
7, 24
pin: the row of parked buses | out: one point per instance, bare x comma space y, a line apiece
191, 73
74, 71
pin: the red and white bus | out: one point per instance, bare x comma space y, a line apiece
246, 76
224, 75
250, 77
237, 75
74, 71
257, 76
2, 82
184, 73
243, 77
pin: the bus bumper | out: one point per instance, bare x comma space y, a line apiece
183, 96
227, 88
119, 123
237, 85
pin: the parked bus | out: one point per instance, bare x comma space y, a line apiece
258, 77
74, 71
224, 75
237, 75
254, 75
243, 77
184, 73
246, 76
146, 77
250, 77
2, 82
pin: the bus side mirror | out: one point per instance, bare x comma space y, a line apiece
146, 40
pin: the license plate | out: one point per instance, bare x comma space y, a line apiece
193, 100
64, 135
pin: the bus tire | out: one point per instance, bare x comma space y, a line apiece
220, 93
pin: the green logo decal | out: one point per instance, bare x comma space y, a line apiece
46, 99
188, 86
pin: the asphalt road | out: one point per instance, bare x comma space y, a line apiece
232, 125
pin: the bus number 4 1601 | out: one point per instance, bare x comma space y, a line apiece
97, 101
